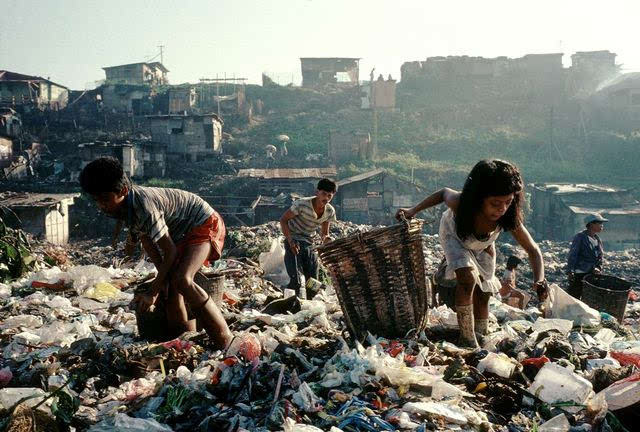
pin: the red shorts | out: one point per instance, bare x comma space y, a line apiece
211, 231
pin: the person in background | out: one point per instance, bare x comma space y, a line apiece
490, 202
585, 254
300, 225
509, 293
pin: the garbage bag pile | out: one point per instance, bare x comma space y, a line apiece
72, 359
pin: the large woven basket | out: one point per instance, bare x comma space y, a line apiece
379, 277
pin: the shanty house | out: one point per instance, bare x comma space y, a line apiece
347, 146
278, 180
27, 90
374, 197
127, 98
137, 73
182, 99
558, 211
129, 155
318, 71
187, 136
43, 215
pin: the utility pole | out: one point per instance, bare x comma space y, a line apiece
161, 53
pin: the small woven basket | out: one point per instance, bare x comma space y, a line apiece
380, 279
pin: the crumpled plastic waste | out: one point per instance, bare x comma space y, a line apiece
623, 393
559, 423
123, 423
498, 364
102, 291
555, 383
560, 304
306, 399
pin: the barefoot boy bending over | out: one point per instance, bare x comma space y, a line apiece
178, 230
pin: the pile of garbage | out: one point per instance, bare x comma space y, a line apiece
72, 358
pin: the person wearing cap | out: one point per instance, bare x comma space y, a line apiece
585, 255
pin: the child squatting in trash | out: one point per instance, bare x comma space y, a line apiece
178, 230
490, 202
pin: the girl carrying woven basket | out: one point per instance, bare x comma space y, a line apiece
490, 202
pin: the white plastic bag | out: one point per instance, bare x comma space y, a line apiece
560, 304
272, 263
555, 383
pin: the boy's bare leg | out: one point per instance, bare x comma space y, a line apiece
177, 316
204, 309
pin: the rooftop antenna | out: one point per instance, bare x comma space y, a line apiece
161, 53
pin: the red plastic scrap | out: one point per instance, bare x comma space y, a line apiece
217, 373
626, 359
228, 299
58, 286
178, 345
410, 360
535, 361
633, 296
395, 348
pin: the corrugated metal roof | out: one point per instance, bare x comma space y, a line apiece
360, 177
14, 76
567, 188
632, 210
24, 199
329, 172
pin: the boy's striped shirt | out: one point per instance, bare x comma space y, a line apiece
305, 224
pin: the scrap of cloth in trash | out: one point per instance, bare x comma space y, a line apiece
471, 253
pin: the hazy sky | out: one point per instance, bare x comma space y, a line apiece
71, 40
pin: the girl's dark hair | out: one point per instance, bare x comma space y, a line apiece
513, 262
492, 177
104, 174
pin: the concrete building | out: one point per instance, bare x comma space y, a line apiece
318, 71
589, 70
139, 160
558, 211
17, 89
137, 73
288, 180
352, 145
182, 99
374, 197
44, 216
187, 136
133, 99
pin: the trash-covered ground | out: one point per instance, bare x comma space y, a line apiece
72, 358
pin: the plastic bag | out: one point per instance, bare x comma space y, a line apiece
560, 304
272, 262
123, 423
306, 399
102, 291
558, 423
498, 364
623, 393
555, 383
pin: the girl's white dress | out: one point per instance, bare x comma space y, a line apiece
471, 253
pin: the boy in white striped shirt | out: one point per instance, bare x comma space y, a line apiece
300, 226
178, 230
